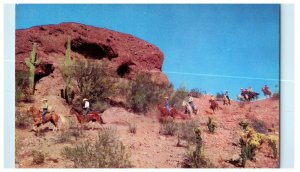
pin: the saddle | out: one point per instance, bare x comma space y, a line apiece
46, 114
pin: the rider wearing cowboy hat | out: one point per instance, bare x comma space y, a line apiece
44, 108
191, 101
227, 96
86, 106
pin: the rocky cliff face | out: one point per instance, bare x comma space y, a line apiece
125, 54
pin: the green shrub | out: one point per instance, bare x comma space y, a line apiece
92, 80
145, 93
169, 127
100, 106
106, 152
272, 140
259, 126
179, 95
22, 120
212, 125
38, 157
249, 142
66, 136
187, 131
23, 92
195, 92
194, 157
244, 124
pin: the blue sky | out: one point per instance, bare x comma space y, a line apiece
210, 47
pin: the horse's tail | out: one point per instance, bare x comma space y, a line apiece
63, 119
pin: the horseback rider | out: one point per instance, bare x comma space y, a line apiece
266, 88
212, 98
191, 101
227, 95
167, 104
250, 90
45, 109
86, 106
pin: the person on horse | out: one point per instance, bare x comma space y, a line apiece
86, 106
266, 88
244, 93
250, 90
44, 109
212, 98
167, 104
191, 101
227, 95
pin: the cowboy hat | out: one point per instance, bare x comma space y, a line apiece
45, 99
166, 97
84, 99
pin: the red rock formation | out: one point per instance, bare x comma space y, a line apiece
126, 55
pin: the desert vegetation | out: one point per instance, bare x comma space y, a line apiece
127, 98
146, 94
106, 152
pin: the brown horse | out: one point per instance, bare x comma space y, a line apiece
173, 113
37, 118
91, 116
266, 92
213, 105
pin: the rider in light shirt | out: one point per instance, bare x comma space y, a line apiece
86, 106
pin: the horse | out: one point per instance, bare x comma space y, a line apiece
266, 92
91, 116
213, 105
49, 117
225, 100
173, 113
189, 109
253, 96
241, 98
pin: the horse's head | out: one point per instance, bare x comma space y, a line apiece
75, 111
30, 109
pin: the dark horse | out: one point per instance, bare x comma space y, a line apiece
91, 116
249, 96
213, 105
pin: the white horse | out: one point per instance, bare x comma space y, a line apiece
189, 109
240, 98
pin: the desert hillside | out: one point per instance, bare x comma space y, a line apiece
220, 147
122, 76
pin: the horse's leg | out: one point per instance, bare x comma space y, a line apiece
34, 127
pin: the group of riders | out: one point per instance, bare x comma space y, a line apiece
247, 94
45, 107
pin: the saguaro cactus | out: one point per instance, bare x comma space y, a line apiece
31, 62
67, 71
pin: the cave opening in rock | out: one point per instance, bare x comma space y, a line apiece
43, 70
93, 50
124, 69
